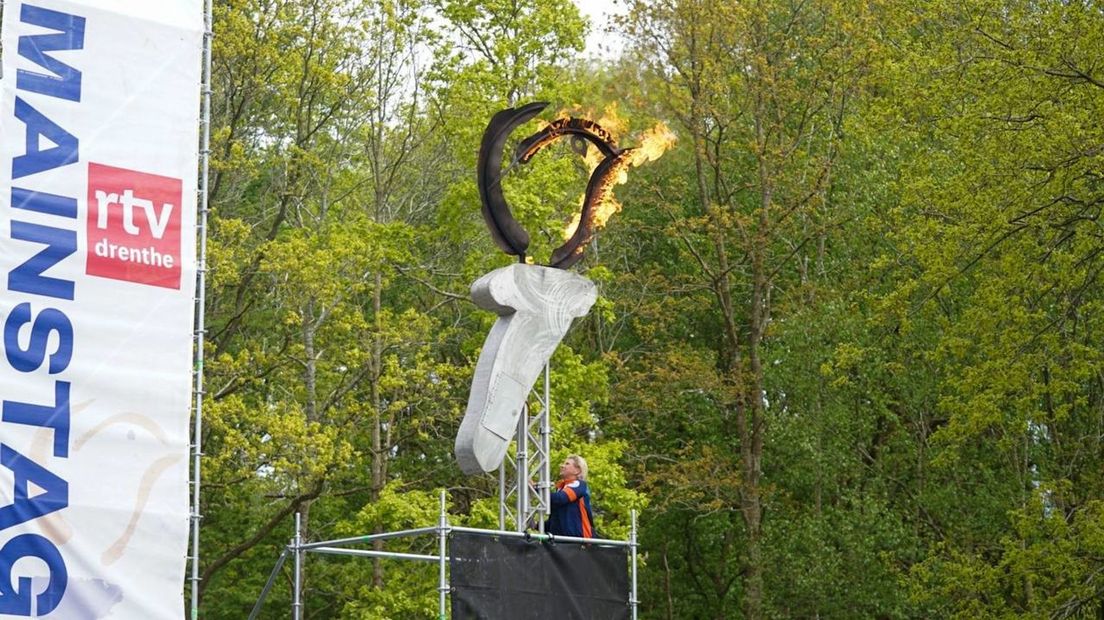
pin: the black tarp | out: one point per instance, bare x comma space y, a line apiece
510, 578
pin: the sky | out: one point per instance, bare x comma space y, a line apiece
601, 43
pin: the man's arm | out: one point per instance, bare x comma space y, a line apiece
570, 493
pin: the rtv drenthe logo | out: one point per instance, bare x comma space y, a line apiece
134, 226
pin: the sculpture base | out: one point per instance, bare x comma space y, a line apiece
535, 307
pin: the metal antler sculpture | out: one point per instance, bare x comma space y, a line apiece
535, 304
507, 233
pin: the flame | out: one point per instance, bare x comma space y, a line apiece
653, 144
613, 121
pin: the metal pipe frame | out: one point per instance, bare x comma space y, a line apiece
502, 493
442, 549
371, 553
633, 599
545, 483
538, 436
519, 503
604, 542
522, 485
199, 336
268, 584
297, 549
370, 538
525, 509
323, 548
329, 548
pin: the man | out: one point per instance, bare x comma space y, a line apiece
571, 515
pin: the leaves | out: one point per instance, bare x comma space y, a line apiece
845, 359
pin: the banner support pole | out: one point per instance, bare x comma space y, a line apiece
633, 602
297, 543
201, 299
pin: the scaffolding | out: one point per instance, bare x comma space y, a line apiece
522, 503
199, 336
298, 548
524, 488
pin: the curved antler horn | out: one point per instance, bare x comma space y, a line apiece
505, 230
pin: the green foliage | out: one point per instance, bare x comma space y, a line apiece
407, 586
846, 357
995, 230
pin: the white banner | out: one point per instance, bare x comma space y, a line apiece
98, 131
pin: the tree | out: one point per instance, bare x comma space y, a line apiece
308, 122
762, 91
996, 224
339, 359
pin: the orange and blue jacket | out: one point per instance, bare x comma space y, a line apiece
571, 515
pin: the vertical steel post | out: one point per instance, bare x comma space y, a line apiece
200, 300
502, 495
529, 471
522, 470
297, 546
632, 549
442, 551
546, 438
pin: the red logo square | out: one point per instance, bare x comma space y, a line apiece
134, 226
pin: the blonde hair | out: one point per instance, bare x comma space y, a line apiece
581, 463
